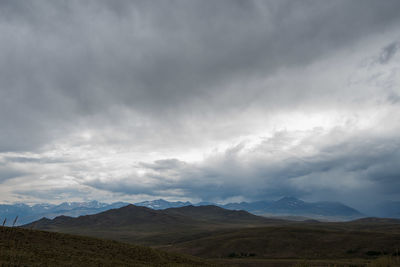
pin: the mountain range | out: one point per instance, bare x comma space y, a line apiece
286, 206
294, 206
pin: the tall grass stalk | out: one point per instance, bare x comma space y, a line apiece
10, 243
386, 261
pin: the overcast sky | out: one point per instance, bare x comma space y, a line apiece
200, 100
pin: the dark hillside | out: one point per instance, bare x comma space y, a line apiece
23, 247
125, 216
142, 225
216, 214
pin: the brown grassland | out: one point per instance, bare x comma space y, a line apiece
24, 247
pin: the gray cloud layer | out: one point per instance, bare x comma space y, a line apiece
357, 166
89, 90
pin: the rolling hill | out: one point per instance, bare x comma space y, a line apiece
214, 214
23, 247
132, 215
153, 227
125, 216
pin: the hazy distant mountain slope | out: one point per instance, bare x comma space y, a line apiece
28, 214
10, 212
254, 207
389, 209
161, 204
294, 206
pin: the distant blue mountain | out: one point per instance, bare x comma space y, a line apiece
28, 214
8, 213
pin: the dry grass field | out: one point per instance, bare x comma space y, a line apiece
24, 247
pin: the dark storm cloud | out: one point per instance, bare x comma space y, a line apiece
63, 62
